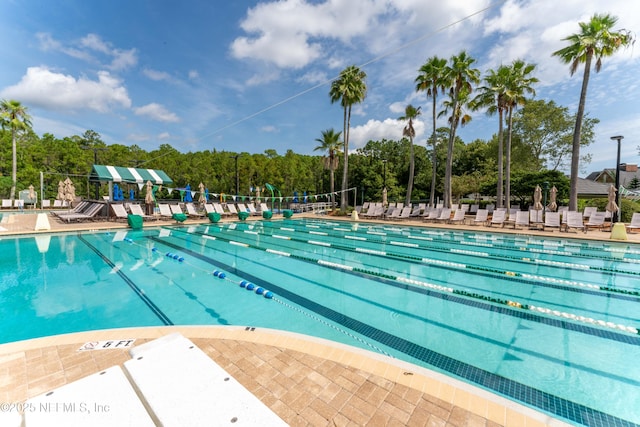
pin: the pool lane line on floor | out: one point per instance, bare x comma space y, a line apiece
446, 249
506, 307
154, 308
549, 282
520, 392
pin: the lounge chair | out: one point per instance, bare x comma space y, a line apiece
596, 220
18, 204
498, 218
473, 209
458, 216
520, 219
252, 209
46, 204
6, 203
415, 212
432, 214
220, 210
57, 203
391, 213
551, 220
89, 213
264, 207
165, 211
137, 210
191, 211
588, 211
635, 222
445, 215
535, 217
208, 208
574, 220
482, 215
119, 211
232, 209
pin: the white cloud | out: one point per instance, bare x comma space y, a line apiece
164, 135
193, 74
269, 129
156, 75
156, 112
41, 87
376, 130
286, 33
85, 48
313, 77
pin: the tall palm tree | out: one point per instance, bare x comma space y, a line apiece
331, 144
493, 95
504, 90
461, 78
348, 89
595, 40
520, 84
13, 115
410, 114
432, 80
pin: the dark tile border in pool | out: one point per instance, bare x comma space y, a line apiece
520, 392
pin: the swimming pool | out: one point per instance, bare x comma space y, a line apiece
548, 322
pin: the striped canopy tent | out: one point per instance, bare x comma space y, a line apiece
119, 174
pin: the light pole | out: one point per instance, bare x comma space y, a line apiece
384, 182
616, 218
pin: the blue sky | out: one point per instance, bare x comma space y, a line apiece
246, 76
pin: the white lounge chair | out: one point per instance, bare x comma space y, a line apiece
119, 211
635, 222
6, 203
191, 211
445, 215
574, 220
498, 218
588, 211
482, 215
137, 210
596, 220
165, 210
458, 216
46, 204
551, 220
232, 209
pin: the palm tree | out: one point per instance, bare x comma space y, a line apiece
410, 113
331, 144
349, 88
503, 91
14, 116
595, 40
431, 79
461, 78
493, 96
520, 84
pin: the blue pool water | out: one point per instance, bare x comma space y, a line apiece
550, 323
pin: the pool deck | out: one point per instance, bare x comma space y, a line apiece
305, 380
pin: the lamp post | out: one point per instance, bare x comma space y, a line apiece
616, 218
384, 182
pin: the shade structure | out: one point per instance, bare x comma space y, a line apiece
537, 198
612, 206
553, 205
129, 175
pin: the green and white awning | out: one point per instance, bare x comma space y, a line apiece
129, 175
